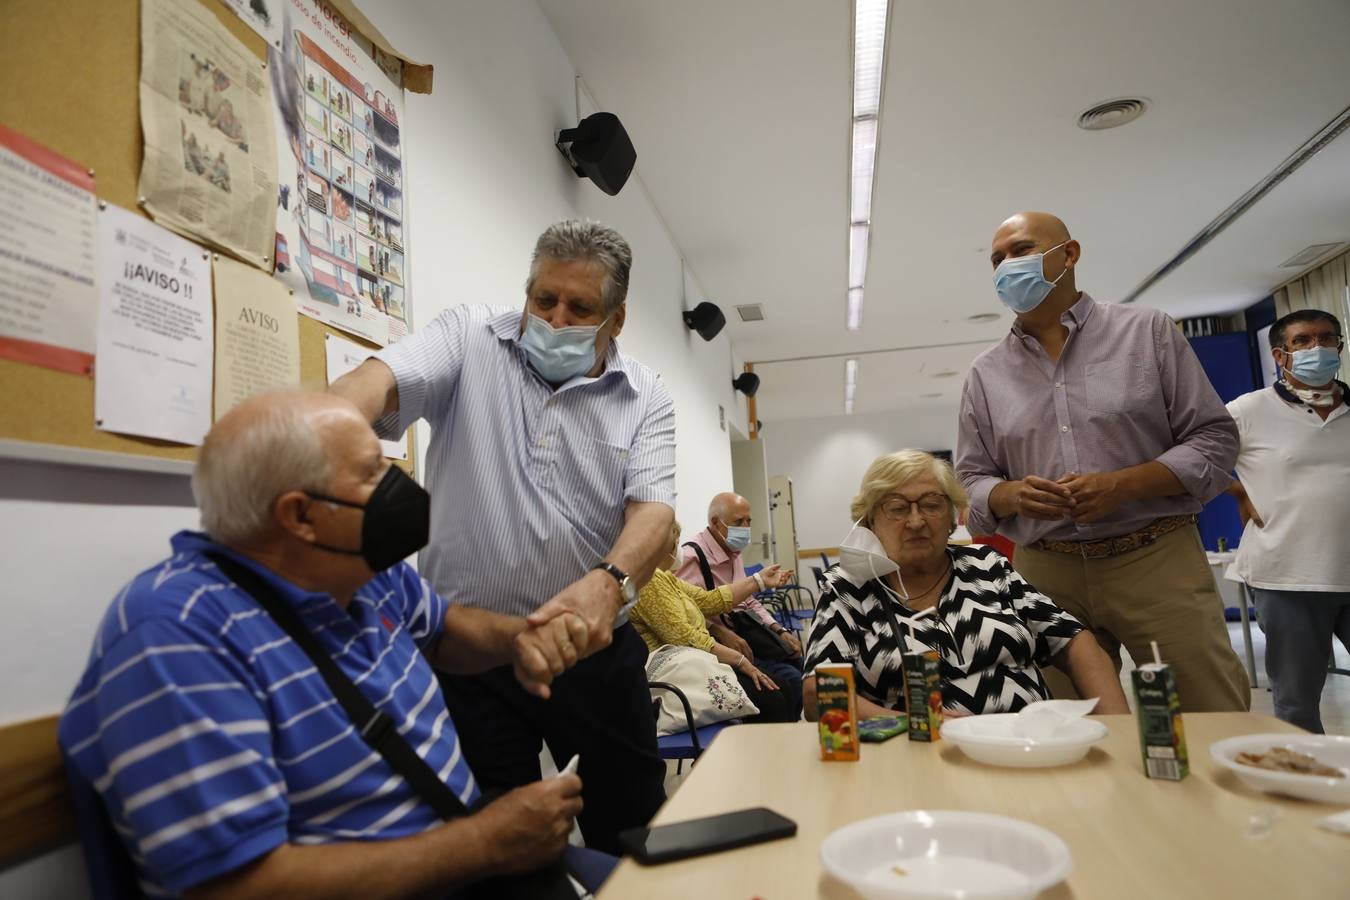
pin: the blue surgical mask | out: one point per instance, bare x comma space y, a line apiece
1021, 283
738, 537
1315, 366
559, 354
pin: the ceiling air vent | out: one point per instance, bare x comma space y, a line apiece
1308, 255
751, 312
1112, 113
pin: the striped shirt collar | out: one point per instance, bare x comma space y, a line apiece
1077, 314
200, 544
506, 326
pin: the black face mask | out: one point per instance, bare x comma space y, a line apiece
396, 524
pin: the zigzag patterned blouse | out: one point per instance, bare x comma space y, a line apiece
991, 627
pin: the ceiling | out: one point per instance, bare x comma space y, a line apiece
740, 113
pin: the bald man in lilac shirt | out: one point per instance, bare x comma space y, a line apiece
1090, 436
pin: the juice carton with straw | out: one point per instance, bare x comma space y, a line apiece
1162, 740
836, 698
923, 694
923, 686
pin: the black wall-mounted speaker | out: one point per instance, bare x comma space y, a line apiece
599, 149
706, 318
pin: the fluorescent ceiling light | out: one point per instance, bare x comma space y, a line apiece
864, 164
869, 49
855, 306
857, 254
850, 384
869, 55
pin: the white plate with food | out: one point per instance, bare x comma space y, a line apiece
995, 739
945, 855
1308, 766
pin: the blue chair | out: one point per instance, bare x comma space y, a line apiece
690, 743
785, 604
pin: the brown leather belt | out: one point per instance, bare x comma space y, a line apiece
1117, 545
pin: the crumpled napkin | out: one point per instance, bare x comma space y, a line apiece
1339, 822
1045, 718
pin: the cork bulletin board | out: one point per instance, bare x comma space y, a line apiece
72, 74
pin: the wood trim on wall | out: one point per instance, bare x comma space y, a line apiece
35, 811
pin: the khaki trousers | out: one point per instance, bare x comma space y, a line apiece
1164, 592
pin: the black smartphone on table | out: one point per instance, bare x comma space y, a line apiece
696, 837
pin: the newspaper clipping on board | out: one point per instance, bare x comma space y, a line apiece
210, 151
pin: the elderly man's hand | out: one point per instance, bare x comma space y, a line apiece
595, 598
543, 652
528, 827
1095, 494
1246, 509
775, 576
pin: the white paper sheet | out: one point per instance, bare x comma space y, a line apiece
47, 240
343, 356
257, 334
263, 16
155, 330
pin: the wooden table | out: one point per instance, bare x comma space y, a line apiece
1130, 837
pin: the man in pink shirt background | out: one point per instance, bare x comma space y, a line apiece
727, 534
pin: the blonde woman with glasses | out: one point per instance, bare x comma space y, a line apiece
900, 584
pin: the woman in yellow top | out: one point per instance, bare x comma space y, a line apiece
671, 611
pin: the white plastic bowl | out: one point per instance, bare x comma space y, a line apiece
990, 739
945, 855
1330, 750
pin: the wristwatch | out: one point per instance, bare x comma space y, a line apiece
627, 589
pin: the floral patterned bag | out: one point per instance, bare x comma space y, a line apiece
713, 691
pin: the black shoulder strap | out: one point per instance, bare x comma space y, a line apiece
703, 565
375, 727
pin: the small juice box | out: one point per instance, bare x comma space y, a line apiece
1162, 740
923, 695
836, 699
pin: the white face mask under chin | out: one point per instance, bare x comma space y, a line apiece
862, 558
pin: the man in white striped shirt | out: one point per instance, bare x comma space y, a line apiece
224, 761
552, 475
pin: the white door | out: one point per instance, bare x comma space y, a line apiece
750, 479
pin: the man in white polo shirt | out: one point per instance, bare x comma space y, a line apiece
1293, 494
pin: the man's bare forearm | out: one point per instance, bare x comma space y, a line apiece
1150, 479
643, 541
372, 387
425, 865
475, 640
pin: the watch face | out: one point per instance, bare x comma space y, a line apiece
629, 590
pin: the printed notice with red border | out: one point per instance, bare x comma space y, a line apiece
48, 234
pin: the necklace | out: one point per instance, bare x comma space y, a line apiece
942, 576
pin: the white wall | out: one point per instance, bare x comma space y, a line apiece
485, 181
826, 457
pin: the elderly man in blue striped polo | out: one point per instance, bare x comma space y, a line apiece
552, 477
225, 760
